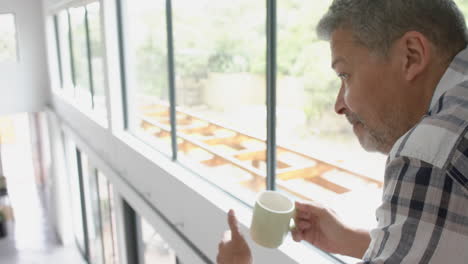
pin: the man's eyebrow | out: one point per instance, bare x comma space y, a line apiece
336, 61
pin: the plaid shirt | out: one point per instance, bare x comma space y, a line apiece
424, 213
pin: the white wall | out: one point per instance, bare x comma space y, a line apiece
24, 84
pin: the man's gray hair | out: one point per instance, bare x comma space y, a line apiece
376, 24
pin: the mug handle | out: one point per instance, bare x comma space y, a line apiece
292, 222
292, 225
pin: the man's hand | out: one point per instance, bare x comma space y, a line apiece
233, 249
321, 227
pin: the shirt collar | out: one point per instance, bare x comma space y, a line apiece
455, 74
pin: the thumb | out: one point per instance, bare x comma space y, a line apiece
233, 225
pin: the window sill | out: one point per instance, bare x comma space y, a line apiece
97, 116
195, 209
299, 252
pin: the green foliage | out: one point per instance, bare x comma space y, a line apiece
151, 56
463, 5
229, 37
152, 69
224, 36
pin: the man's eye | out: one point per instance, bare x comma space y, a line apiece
343, 76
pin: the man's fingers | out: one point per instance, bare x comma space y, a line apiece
302, 225
305, 210
233, 225
296, 235
220, 246
309, 206
298, 232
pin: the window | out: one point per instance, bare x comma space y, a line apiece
220, 112
63, 42
463, 5
75, 184
8, 45
93, 223
108, 224
81, 67
147, 71
219, 50
220, 87
93, 211
80, 50
100, 223
318, 155
221, 92
96, 47
144, 244
154, 248
220, 80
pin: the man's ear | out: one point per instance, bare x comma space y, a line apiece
416, 51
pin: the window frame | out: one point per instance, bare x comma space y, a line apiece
84, 212
271, 79
59, 49
270, 179
180, 226
88, 108
118, 142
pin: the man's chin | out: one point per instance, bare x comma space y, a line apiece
369, 147
369, 143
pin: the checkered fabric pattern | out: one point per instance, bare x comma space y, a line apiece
424, 213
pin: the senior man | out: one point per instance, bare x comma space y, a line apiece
403, 66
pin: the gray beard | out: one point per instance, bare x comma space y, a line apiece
374, 141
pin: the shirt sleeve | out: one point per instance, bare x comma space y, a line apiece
423, 216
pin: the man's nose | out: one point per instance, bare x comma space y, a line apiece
340, 106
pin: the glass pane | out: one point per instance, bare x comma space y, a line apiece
64, 39
155, 249
93, 213
148, 90
318, 155
76, 205
221, 90
115, 256
463, 5
8, 44
107, 220
97, 56
57, 48
80, 55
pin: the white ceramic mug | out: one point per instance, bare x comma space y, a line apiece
271, 220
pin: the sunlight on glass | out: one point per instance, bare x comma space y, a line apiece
97, 57
221, 90
155, 249
74, 189
8, 52
80, 55
93, 212
148, 90
108, 223
65, 56
318, 155
463, 5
